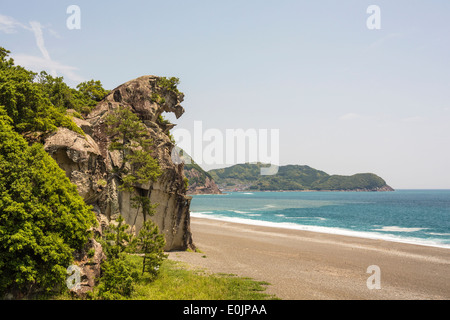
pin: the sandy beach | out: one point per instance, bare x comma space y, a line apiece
302, 265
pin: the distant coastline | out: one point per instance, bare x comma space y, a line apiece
383, 189
247, 177
225, 192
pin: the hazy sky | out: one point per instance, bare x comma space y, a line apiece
345, 98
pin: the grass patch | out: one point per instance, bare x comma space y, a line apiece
178, 282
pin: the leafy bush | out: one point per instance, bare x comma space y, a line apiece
63, 97
157, 98
92, 91
151, 243
118, 279
170, 84
43, 219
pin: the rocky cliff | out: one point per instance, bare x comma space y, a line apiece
88, 161
200, 181
208, 186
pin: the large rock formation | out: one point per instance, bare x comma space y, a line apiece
88, 162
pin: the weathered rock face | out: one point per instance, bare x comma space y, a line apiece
79, 156
88, 162
200, 183
89, 260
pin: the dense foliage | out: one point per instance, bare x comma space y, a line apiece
169, 84
293, 177
118, 277
43, 220
42, 217
358, 181
83, 99
38, 102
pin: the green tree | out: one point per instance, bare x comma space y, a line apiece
169, 84
83, 99
117, 279
127, 132
93, 90
117, 237
88, 95
57, 91
144, 168
27, 101
43, 220
151, 243
131, 138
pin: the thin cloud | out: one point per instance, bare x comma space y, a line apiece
39, 36
37, 30
38, 63
54, 33
10, 25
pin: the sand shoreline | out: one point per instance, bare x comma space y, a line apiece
324, 230
311, 265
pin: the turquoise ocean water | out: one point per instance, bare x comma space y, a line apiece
412, 216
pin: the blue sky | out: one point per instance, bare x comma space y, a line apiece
345, 98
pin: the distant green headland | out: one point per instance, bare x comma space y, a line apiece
248, 176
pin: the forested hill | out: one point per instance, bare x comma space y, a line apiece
293, 177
